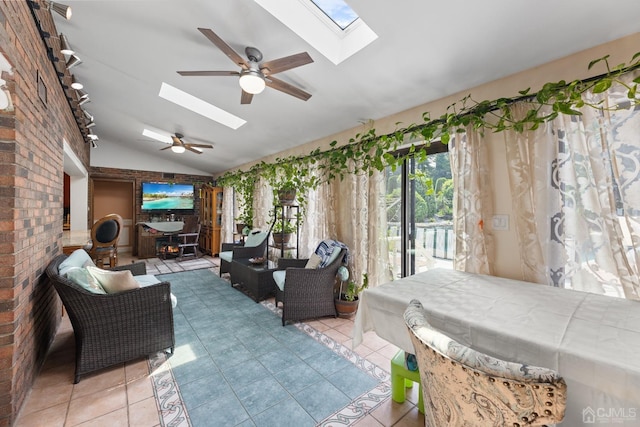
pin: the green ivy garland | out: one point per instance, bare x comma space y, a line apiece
368, 151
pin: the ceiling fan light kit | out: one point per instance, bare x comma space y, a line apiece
251, 81
178, 149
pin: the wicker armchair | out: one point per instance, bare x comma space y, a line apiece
463, 387
255, 246
115, 328
308, 292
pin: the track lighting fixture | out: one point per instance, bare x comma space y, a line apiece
82, 94
93, 144
84, 101
87, 115
93, 137
61, 9
65, 48
90, 124
75, 84
73, 61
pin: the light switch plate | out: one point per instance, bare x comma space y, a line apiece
500, 222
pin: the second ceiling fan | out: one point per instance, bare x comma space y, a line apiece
255, 75
179, 146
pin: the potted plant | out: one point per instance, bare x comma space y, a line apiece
347, 298
282, 230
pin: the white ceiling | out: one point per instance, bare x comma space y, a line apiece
425, 50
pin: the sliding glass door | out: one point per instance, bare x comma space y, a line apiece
419, 199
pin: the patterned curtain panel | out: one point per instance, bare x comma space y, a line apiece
358, 219
576, 196
472, 202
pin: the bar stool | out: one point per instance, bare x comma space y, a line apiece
401, 378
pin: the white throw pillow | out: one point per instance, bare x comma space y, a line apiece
114, 281
83, 278
314, 261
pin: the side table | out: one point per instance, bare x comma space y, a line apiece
256, 279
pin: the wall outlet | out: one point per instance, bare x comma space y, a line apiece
500, 222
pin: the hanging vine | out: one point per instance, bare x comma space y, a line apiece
368, 152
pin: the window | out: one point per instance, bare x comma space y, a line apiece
420, 213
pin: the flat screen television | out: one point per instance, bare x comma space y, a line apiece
167, 197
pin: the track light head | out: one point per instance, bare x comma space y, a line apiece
73, 61
61, 9
76, 84
65, 48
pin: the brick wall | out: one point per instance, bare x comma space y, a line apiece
31, 199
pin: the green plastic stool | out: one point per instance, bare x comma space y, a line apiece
401, 378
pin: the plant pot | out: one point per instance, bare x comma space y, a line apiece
287, 197
240, 227
346, 308
279, 238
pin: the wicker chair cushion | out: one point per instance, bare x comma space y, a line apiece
146, 279
114, 281
279, 277
254, 240
226, 255
81, 277
314, 261
79, 258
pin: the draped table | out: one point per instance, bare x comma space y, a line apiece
593, 341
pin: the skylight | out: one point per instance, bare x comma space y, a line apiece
199, 106
313, 25
338, 11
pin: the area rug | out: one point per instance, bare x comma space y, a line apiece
158, 266
235, 363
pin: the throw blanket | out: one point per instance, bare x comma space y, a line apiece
325, 249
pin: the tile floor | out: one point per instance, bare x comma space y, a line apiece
123, 395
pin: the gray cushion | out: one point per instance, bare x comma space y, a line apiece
254, 240
226, 255
79, 258
279, 277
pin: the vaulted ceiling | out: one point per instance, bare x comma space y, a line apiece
424, 50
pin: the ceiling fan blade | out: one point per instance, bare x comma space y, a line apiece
188, 144
194, 150
166, 148
246, 98
208, 73
286, 63
277, 84
224, 47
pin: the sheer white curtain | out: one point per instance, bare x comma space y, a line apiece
472, 202
576, 198
227, 224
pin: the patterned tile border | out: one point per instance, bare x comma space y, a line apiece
171, 408
173, 412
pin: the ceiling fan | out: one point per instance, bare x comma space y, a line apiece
178, 146
255, 75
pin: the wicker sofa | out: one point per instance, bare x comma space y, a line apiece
115, 328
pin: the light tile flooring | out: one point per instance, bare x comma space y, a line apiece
123, 395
